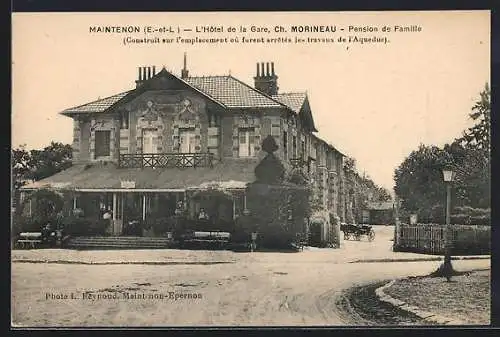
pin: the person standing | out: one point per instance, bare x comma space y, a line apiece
107, 217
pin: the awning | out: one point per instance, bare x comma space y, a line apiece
99, 177
220, 185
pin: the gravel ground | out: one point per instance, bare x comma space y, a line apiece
262, 292
248, 289
350, 251
467, 298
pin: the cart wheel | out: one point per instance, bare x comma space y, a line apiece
357, 237
346, 236
371, 235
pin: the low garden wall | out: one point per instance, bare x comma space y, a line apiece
430, 239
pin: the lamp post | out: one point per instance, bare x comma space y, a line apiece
448, 176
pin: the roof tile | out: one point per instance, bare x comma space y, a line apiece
227, 90
232, 92
98, 105
293, 100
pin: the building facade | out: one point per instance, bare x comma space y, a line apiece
140, 152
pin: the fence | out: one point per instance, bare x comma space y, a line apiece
430, 239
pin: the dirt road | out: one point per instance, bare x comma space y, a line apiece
250, 289
259, 293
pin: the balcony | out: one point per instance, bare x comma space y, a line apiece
166, 160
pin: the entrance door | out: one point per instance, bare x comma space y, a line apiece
187, 145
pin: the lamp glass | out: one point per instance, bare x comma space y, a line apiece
447, 175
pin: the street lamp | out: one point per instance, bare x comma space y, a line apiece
448, 176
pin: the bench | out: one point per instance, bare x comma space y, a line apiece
29, 239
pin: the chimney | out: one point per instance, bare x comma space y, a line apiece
185, 72
266, 80
144, 74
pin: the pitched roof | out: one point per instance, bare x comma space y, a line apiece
293, 100
232, 92
99, 105
99, 176
225, 90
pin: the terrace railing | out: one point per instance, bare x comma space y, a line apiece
166, 160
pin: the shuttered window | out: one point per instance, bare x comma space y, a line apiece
102, 143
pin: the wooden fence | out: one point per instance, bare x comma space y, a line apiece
430, 239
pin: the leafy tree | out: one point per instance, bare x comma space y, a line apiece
472, 152
478, 137
419, 180
472, 176
39, 164
21, 166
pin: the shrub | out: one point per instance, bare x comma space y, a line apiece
161, 226
465, 219
98, 227
27, 224
76, 226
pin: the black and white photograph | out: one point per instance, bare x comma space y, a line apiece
250, 169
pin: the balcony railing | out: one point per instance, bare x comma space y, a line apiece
166, 160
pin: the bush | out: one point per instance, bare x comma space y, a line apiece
76, 226
26, 224
98, 227
465, 219
276, 237
161, 226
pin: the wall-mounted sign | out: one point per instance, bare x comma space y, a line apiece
127, 184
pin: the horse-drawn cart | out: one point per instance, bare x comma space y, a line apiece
354, 231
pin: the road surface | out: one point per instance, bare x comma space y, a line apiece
248, 289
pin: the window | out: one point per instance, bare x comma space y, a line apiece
246, 140
285, 144
102, 143
149, 141
294, 146
213, 141
187, 141
124, 120
275, 130
303, 149
213, 120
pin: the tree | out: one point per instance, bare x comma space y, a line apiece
472, 176
472, 155
478, 137
419, 180
21, 166
39, 164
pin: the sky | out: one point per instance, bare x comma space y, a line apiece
374, 102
